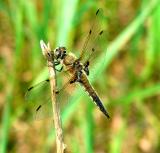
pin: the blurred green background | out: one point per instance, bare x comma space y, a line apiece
126, 75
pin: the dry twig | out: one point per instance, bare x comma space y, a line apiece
48, 54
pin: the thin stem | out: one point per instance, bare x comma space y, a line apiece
48, 54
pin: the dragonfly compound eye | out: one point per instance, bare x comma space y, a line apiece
57, 53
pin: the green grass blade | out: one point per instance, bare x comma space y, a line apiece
139, 94
89, 128
117, 142
11, 75
6, 123
152, 49
68, 8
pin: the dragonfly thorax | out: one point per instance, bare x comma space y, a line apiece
69, 59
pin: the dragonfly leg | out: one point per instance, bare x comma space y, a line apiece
79, 75
86, 69
56, 63
77, 78
71, 80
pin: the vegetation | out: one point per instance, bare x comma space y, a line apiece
125, 73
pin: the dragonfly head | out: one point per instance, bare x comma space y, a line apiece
60, 53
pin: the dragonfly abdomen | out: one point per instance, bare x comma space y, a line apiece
92, 93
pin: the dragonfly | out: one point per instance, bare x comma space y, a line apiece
78, 67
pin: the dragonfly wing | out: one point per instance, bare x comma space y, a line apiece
65, 89
38, 97
92, 39
42, 111
38, 100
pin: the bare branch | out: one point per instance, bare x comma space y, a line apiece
48, 54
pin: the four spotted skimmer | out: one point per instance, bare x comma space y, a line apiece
77, 68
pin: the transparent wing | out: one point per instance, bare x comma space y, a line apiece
91, 42
38, 97
38, 101
65, 89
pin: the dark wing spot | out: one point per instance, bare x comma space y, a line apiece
57, 92
30, 88
38, 107
90, 31
97, 11
47, 80
87, 63
101, 32
72, 81
93, 49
